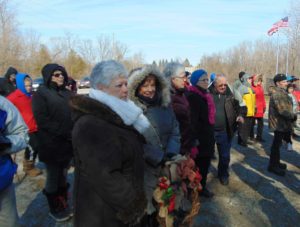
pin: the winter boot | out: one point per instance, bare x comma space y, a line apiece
29, 169
57, 209
63, 193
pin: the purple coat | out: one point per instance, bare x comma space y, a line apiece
181, 109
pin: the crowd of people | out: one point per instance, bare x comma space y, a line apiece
141, 142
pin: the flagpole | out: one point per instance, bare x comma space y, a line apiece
277, 52
287, 58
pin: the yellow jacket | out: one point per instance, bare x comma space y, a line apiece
250, 101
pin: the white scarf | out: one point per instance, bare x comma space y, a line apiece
127, 110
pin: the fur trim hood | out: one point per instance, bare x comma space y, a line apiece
82, 105
139, 75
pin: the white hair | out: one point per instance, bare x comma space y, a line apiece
218, 77
105, 71
173, 69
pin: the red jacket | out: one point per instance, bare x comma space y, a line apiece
260, 98
24, 105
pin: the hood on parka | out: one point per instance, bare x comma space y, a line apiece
48, 70
136, 78
20, 77
10, 71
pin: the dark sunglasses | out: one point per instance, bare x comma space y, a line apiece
57, 74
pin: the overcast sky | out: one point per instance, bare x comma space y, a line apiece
158, 28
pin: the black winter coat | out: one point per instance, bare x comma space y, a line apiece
50, 105
6, 86
202, 130
109, 171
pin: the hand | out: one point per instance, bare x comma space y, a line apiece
240, 119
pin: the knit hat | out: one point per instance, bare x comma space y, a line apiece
279, 77
212, 77
196, 75
245, 77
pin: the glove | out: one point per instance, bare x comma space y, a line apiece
194, 152
295, 117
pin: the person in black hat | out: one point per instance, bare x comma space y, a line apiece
281, 119
8, 85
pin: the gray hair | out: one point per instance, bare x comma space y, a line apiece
218, 77
105, 71
173, 69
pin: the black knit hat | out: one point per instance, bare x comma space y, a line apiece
279, 77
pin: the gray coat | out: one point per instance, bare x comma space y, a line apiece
16, 130
163, 138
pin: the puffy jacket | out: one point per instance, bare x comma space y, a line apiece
259, 97
23, 102
51, 110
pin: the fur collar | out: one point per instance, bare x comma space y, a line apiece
139, 75
126, 110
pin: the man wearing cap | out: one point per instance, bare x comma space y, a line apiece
281, 118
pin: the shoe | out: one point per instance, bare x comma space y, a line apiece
206, 193
276, 170
289, 147
282, 166
224, 180
60, 216
243, 144
29, 168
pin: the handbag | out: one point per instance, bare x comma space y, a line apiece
7, 171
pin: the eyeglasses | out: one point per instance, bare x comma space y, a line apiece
180, 77
57, 74
204, 80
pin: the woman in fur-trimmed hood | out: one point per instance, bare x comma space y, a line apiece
108, 151
148, 89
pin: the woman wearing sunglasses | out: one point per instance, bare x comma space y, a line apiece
53, 116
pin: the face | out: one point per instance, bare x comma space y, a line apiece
290, 90
148, 88
28, 85
221, 85
259, 82
179, 80
203, 82
12, 78
117, 88
282, 84
57, 77
249, 80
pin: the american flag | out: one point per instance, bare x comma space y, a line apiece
283, 23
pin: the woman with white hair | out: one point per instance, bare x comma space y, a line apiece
108, 150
